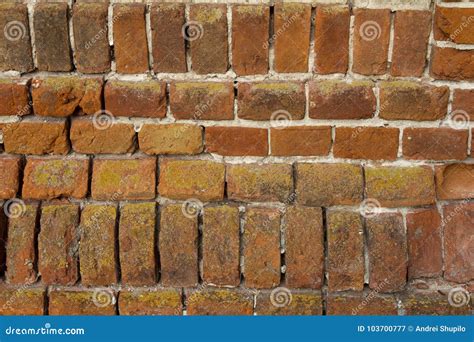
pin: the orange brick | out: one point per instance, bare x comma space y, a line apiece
455, 181
77, 301
300, 141
9, 176
237, 141
150, 301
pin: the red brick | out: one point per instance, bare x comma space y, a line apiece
202, 100
237, 141
294, 302
97, 249
431, 304
291, 37
168, 46
170, 139
250, 27
14, 98
220, 245
21, 300
219, 302
454, 181
375, 143
36, 137
463, 104
339, 100
178, 247
3, 240
78, 301
265, 100
361, 304
454, 24
15, 47
119, 179
331, 43
9, 176
130, 42
328, 184
424, 243
150, 301
261, 248
345, 251
207, 32
259, 182
304, 252
89, 137
371, 41
435, 143
301, 141
58, 242
400, 186
133, 99
21, 251
55, 177
92, 51
185, 179
387, 248
409, 55
137, 243
452, 64
458, 227
401, 100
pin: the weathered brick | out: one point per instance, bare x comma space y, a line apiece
137, 243
435, 143
58, 244
250, 27
387, 248
168, 46
409, 55
330, 99
21, 300
261, 247
424, 243
345, 251
92, 51
454, 181
119, 179
55, 177
328, 184
458, 227
202, 100
463, 104
77, 301
52, 37
3, 239
269, 100
130, 42
15, 46
219, 302
133, 99
170, 139
150, 301
400, 100
207, 36
89, 137
178, 247
431, 304
371, 41
97, 248
259, 182
184, 179
220, 245
301, 141
294, 302
331, 43
454, 24
303, 229
21, 251
400, 186
36, 137
63, 96
237, 141
452, 64
375, 143
9, 176
13, 97
291, 37
361, 304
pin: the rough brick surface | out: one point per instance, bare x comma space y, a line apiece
219, 302
300, 141
14, 98
454, 24
21, 301
137, 301
452, 64
302, 302
431, 304
74, 301
361, 305
170, 139
463, 104
9, 177
237, 141
454, 181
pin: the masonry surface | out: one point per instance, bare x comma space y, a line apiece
265, 158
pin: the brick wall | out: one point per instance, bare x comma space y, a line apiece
288, 158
